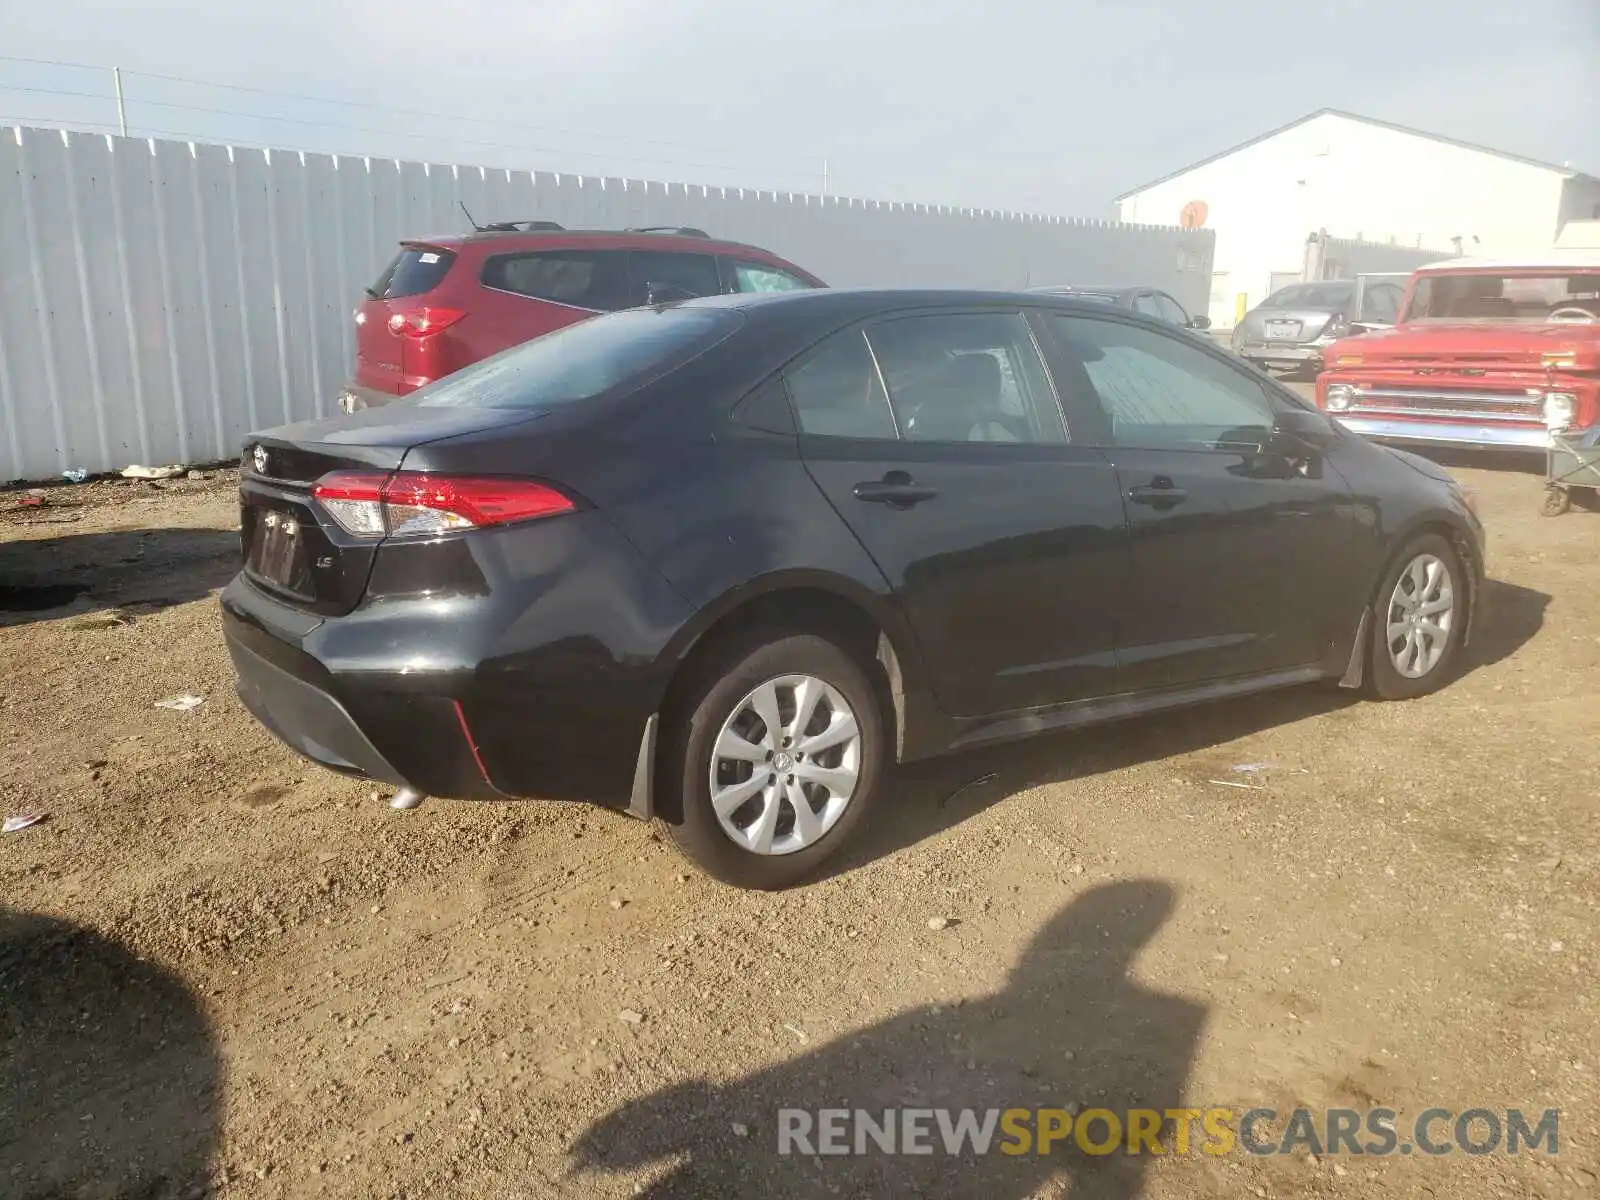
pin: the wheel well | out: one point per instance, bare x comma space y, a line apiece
797, 610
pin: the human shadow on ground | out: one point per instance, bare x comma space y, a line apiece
53, 577
110, 1078
1069, 1028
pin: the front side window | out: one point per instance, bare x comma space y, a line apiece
1153, 389
967, 377
758, 277
693, 273
594, 279
836, 391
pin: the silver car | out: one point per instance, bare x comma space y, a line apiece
1290, 329
1296, 323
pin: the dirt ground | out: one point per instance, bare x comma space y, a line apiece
226, 972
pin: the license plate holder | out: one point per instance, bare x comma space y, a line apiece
277, 551
1283, 330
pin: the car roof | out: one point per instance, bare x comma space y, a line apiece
853, 303
525, 239
1063, 289
1553, 260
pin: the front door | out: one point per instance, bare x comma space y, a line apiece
939, 440
1240, 554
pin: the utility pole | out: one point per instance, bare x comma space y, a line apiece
122, 111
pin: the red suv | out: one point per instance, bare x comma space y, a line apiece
446, 302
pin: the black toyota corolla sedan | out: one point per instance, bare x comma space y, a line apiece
725, 562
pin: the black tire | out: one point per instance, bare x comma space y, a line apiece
723, 683
1387, 682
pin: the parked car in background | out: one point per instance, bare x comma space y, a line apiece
1487, 353
1152, 302
447, 302
1291, 328
722, 562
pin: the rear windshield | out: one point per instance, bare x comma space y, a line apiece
1328, 296
585, 360
416, 269
1501, 296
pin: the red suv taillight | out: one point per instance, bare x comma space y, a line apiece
421, 322
375, 504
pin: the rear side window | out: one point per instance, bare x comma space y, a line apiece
415, 270
694, 273
583, 361
967, 377
593, 279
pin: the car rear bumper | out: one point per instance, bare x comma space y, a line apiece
524, 660
303, 717
1290, 353
1519, 439
367, 724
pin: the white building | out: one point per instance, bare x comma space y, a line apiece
1394, 191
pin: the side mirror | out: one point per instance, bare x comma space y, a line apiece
1199, 322
666, 293
1298, 431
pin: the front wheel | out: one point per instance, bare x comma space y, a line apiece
778, 761
1419, 620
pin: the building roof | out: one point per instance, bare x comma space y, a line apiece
1350, 116
1554, 260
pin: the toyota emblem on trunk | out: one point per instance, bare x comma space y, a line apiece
261, 460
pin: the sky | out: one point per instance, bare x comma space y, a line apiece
1050, 106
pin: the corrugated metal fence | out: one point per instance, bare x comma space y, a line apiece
159, 300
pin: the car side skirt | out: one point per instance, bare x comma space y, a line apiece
1014, 726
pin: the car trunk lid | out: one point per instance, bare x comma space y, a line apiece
1268, 325
291, 547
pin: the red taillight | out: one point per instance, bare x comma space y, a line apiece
372, 504
425, 321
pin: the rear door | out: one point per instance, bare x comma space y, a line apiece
1241, 558
939, 440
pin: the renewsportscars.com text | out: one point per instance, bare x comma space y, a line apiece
1215, 1131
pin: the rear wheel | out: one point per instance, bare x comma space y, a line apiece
1419, 620
778, 761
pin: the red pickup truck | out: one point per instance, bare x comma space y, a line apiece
1486, 354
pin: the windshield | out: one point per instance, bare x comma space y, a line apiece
585, 360
1524, 298
1329, 296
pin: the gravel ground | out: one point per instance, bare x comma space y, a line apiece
224, 971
